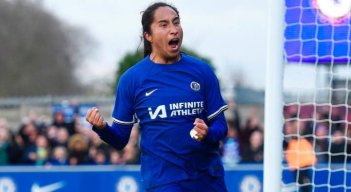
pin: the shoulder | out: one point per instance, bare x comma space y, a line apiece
195, 61
138, 67
132, 77
198, 65
135, 71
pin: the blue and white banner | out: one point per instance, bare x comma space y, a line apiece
317, 31
243, 178
106, 178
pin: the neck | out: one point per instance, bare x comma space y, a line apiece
164, 60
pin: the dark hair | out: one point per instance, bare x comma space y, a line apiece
146, 21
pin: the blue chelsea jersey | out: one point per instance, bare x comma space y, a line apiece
167, 98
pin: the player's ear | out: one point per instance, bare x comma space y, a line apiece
148, 37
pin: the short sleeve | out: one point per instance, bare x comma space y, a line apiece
214, 100
123, 112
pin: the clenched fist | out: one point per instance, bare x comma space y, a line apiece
201, 129
95, 118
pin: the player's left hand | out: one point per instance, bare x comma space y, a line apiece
201, 128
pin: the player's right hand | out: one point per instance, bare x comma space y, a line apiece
94, 117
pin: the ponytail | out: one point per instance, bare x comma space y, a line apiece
147, 48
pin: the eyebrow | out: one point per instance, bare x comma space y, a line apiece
165, 20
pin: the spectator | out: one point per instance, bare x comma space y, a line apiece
62, 137
58, 156
5, 146
322, 142
29, 133
38, 154
116, 157
233, 115
338, 147
78, 150
252, 124
131, 151
8, 149
51, 134
96, 142
97, 146
100, 158
18, 150
59, 121
336, 119
299, 155
253, 152
230, 148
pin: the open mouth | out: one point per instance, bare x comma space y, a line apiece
174, 43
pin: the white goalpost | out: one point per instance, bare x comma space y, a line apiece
307, 100
273, 98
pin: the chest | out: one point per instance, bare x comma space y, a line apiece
170, 94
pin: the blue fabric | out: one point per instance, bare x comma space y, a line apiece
167, 98
116, 135
202, 184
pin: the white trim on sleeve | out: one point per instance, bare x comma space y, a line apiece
220, 110
124, 122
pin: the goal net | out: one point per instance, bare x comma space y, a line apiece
317, 129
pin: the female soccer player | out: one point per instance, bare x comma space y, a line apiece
170, 93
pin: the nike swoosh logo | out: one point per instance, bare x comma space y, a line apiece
150, 92
47, 188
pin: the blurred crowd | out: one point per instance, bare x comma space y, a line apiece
45, 143
42, 142
311, 134
56, 142
325, 129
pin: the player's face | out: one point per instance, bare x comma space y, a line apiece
166, 36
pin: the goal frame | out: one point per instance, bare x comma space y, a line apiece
273, 118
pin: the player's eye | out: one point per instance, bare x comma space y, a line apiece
176, 22
163, 24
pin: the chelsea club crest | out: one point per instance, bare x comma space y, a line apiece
195, 86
